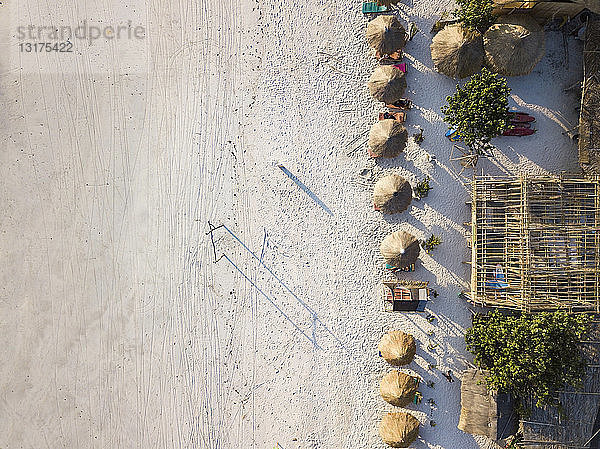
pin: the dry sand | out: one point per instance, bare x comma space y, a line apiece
117, 330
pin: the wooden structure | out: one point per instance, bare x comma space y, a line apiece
589, 125
405, 296
536, 243
542, 10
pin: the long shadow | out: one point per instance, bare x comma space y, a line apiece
306, 190
315, 317
312, 340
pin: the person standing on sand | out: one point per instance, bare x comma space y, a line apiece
448, 376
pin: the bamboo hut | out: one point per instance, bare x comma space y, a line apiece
386, 34
589, 125
387, 84
399, 429
457, 52
387, 138
536, 243
514, 45
400, 249
398, 388
397, 348
392, 194
402, 295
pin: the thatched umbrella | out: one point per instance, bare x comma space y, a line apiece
457, 52
397, 348
386, 34
399, 429
514, 45
398, 388
400, 249
392, 194
387, 138
387, 84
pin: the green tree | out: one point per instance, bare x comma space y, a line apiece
479, 109
529, 356
476, 14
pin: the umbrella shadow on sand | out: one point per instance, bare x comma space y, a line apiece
509, 162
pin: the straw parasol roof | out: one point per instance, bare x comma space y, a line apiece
387, 138
392, 194
387, 84
385, 34
400, 249
399, 429
397, 348
457, 52
514, 45
398, 388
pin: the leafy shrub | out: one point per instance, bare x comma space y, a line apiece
529, 356
479, 109
476, 14
431, 242
422, 188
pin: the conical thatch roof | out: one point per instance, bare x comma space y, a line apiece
514, 45
399, 429
387, 138
457, 52
397, 348
400, 249
387, 84
398, 388
392, 194
386, 34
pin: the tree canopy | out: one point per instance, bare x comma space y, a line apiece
479, 109
476, 14
529, 356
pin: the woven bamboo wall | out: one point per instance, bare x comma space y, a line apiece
544, 234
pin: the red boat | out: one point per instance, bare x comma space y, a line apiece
520, 117
520, 125
518, 131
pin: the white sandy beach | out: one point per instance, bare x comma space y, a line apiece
118, 330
